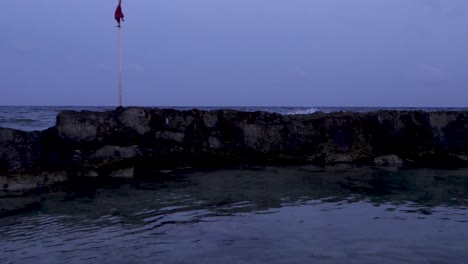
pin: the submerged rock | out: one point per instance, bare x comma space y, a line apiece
134, 142
392, 160
18, 205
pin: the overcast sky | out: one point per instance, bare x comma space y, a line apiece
236, 52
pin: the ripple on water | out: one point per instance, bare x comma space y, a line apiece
290, 215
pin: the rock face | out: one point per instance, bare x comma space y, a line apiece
135, 142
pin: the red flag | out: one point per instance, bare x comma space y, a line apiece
118, 13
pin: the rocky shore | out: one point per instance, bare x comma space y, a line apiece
142, 142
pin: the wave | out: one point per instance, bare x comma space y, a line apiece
305, 111
26, 124
17, 120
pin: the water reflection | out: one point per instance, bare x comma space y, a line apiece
280, 215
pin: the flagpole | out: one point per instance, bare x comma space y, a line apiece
120, 67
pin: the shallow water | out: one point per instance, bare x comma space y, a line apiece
339, 214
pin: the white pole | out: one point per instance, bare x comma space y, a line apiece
120, 67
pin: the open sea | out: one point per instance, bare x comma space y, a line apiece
275, 215
31, 118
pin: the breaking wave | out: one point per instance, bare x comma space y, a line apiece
303, 111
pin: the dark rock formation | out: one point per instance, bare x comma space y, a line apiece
137, 142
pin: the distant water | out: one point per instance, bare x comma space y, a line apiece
273, 215
31, 118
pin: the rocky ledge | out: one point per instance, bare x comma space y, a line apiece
140, 142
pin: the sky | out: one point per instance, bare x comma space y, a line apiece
236, 53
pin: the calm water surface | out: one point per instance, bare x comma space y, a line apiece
271, 215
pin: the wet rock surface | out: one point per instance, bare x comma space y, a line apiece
136, 142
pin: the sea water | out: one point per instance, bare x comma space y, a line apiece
306, 214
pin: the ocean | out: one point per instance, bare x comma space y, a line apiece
29, 118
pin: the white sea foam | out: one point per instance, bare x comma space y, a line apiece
302, 111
